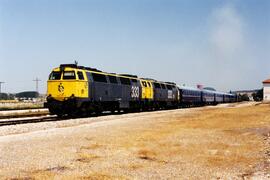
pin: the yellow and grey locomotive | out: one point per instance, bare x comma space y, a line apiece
77, 90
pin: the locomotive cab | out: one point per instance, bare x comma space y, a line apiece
67, 88
67, 82
147, 90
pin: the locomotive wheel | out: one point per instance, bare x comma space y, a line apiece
60, 115
74, 114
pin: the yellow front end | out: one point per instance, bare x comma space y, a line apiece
147, 90
61, 88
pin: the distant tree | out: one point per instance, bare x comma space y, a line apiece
27, 94
3, 96
258, 96
11, 96
243, 97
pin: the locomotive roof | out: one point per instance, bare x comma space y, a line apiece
79, 67
106, 73
129, 75
97, 71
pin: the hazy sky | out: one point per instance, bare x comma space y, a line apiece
219, 43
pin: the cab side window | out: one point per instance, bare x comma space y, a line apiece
80, 75
55, 75
144, 84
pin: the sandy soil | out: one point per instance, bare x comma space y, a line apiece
224, 142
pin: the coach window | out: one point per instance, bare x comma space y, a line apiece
149, 84
68, 75
99, 78
80, 75
113, 79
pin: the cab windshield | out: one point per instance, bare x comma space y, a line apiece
69, 75
55, 76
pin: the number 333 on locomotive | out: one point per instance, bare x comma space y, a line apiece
135, 92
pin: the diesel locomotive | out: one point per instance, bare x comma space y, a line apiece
79, 91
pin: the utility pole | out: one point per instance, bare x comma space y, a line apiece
1, 86
37, 80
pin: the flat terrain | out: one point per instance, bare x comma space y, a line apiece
223, 142
13, 105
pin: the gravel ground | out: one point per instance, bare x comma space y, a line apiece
224, 142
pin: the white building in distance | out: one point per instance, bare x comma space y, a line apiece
266, 90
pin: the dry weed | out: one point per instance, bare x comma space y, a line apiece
87, 157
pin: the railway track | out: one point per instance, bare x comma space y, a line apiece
36, 117
18, 109
23, 116
39, 116
23, 113
48, 118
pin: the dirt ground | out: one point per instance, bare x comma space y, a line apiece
223, 142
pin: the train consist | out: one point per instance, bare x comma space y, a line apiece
79, 91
